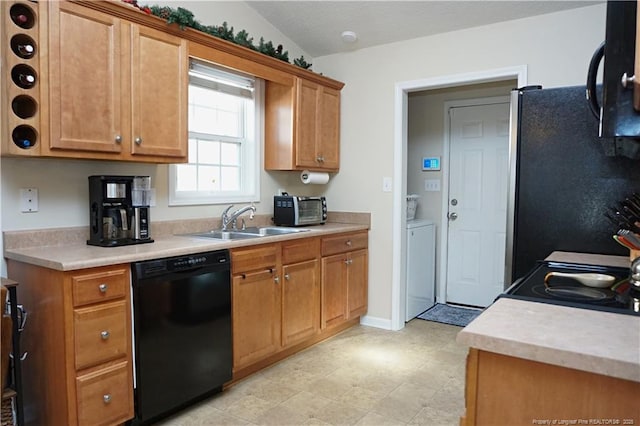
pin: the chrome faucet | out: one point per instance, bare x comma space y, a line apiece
233, 217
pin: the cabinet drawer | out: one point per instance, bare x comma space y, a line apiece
101, 333
344, 242
105, 396
254, 258
300, 250
99, 286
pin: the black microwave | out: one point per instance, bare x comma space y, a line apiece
619, 121
291, 210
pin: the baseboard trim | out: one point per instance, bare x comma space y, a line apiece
370, 321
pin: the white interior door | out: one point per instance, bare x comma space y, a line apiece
478, 179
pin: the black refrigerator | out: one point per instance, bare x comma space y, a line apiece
563, 181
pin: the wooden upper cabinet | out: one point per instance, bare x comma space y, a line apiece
159, 80
118, 90
302, 126
317, 126
85, 84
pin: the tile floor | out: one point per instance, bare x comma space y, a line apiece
363, 376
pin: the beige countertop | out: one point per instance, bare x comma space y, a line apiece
79, 255
594, 341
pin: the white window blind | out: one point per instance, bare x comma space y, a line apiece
224, 138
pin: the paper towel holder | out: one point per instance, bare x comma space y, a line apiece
318, 178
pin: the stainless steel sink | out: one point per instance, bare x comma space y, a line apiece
252, 232
225, 235
272, 230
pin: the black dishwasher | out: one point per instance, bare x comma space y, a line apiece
182, 331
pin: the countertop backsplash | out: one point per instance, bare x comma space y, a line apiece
78, 235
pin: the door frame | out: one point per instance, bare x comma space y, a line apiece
399, 220
446, 159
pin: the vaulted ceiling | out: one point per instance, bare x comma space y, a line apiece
316, 26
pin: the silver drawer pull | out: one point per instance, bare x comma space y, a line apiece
104, 334
348, 243
103, 288
138, 140
118, 139
287, 277
106, 398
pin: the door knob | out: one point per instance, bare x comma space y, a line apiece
627, 82
453, 216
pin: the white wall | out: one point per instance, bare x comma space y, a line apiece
238, 15
556, 48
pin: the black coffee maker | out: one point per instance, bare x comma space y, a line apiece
119, 210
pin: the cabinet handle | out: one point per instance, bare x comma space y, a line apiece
118, 139
104, 334
138, 140
287, 277
276, 279
106, 398
320, 159
348, 261
103, 288
348, 243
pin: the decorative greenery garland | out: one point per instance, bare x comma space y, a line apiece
184, 18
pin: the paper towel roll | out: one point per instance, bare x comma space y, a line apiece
318, 178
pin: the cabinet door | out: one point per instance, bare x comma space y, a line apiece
306, 122
328, 130
256, 317
300, 302
334, 290
159, 86
357, 272
85, 66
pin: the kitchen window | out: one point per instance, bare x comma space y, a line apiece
225, 117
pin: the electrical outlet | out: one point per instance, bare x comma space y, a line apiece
432, 185
28, 200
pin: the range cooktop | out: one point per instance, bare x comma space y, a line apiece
621, 297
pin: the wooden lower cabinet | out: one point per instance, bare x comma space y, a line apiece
300, 301
504, 390
256, 316
334, 290
344, 278
79, 365
105, 397
277, 301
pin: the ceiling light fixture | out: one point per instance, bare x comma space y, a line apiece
349, 36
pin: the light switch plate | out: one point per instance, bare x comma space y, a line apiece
387, 184
28, 200
432, 185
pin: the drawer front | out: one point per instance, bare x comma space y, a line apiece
254, 258
101, 333
344, 242
99, 286
300, 250
105, 397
